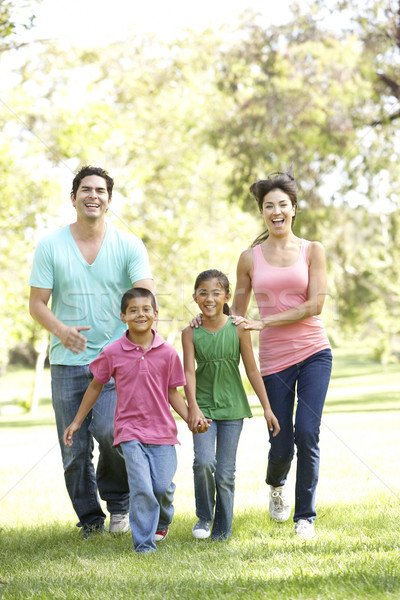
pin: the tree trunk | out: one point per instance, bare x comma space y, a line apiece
40, 360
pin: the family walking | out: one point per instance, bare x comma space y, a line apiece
114, 378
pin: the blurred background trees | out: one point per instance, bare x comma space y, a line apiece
185, 127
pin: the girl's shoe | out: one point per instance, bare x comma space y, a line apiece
202, 529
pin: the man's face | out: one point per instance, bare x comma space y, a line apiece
91, 200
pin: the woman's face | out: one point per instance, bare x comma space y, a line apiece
278, 212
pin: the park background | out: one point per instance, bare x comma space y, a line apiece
185, 118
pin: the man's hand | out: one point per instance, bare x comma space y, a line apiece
71, 338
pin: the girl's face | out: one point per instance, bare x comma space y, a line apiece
210, 297
278, 212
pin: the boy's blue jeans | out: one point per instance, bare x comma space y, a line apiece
214, 474
312, 378
69, 384
151, 469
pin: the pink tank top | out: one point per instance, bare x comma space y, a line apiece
278, 289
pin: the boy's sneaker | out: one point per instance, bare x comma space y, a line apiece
161, 534
119, 523
202, 529
279, 506
304, 529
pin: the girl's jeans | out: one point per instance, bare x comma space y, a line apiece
151, 469
312, 378
214, 474
69, 384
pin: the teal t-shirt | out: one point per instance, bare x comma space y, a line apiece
219, 389
84, 294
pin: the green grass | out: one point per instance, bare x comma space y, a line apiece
355, 556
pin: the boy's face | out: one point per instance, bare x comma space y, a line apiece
139, 316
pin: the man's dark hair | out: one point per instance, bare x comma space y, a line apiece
89, 170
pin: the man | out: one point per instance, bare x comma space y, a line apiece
86, 267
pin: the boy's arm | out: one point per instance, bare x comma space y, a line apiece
88, 401
196, 417
179, 405
254, 376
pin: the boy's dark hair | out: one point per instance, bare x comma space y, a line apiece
89, 170
137, 292
222, 280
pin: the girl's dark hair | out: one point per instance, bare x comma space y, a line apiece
137, 292
222, 280
282, 180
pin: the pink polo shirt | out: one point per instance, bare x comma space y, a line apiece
142, 378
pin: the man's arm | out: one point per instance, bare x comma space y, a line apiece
70, 337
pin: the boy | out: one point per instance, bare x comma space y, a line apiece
147, 372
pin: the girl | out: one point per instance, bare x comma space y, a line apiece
215, 391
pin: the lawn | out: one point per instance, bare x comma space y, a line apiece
355, 556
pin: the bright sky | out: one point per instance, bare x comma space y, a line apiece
100, 21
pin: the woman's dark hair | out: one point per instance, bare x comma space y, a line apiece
281, 180
222, 280
137, 292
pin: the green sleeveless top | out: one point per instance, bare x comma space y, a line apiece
219, 390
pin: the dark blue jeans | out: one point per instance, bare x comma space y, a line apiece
68, 384
311, 377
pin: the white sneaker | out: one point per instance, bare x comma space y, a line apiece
119, 523
304, 529
202, 529
279, 506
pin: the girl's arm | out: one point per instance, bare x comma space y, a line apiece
88, 401
316, 295
196, 417
254, 376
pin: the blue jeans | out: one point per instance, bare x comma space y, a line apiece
214, 468
68, 384
151, 469
312, 378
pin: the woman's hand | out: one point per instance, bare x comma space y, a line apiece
197, 321
248, 323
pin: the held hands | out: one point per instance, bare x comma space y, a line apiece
197, 422
70, 432
71, 338
272, 422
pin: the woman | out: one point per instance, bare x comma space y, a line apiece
288, 277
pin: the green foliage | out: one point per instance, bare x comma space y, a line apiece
185, 127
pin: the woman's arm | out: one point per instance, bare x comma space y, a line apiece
254, 376
88, 401
242, 293
316, 295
